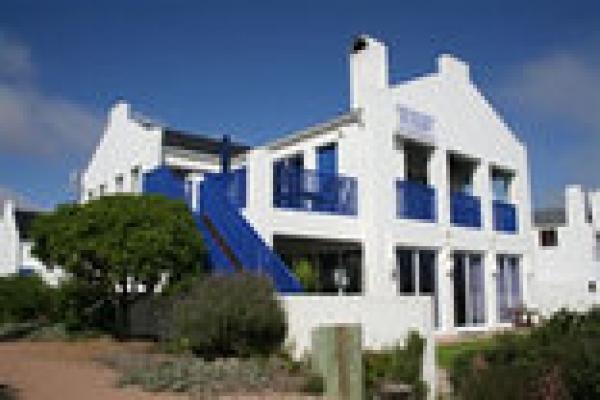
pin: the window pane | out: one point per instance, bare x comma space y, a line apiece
406, 272
476, 288
426, 272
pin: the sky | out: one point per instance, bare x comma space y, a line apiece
259, 69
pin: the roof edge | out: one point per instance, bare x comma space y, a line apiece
348, 118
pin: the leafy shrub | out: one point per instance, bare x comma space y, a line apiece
158, 373
7, 392
556, 360
10, 331
399, 364
306, 274
82, 308
235, 315
24, 299
314, 384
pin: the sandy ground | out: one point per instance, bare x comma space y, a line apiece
65, 371
69, 371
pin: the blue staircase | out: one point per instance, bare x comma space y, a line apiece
232, 243
235, 243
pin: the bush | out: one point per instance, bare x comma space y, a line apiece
556, 360
158, 373
235, 315
399, 364
7, 392
306, 274
24, 299
81, 308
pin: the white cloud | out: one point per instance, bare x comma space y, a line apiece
15, 59
19, 200
563, 84
35, 123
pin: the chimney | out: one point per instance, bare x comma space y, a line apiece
575, 205
453, 69
594, 198
120, 111
8, 210
368, 69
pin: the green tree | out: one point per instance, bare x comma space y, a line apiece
108, 243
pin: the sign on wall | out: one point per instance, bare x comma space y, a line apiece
415, 122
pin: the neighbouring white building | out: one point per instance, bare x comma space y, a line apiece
567, 253
16, 244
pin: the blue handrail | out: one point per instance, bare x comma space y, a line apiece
246, 244
465, 210
308, 190
415, 200
505, 217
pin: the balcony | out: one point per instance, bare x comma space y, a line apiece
415, 200
505, 217
465, 210
307, 190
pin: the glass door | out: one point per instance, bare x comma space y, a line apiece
469, 289
508, 287
416, 269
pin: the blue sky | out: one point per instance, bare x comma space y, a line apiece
259, 69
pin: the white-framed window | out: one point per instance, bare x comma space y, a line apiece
548, 237
119, 183
501, 180
102, 190
135, 179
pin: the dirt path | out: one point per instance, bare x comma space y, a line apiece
65, 371
69, 371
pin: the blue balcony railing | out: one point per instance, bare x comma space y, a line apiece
162, 180
415, 200
465, 210
307, 190
505, 217
236, 187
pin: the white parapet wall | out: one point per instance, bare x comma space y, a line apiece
385, 321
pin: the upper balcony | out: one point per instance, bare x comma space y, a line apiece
505, 217
465, 210
307, 190
415, 200
504, 212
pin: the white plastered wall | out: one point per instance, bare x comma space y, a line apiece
125, 145
9, 240
562, 273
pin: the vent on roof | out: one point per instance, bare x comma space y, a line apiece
360, 43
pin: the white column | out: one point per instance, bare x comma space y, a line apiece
438, 172
490, 276
445, 289
259, 207
482, 189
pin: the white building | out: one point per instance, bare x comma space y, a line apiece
16, 244
428, 190
413, 207
567, 253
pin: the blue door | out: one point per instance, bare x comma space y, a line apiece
327, 169
327, 159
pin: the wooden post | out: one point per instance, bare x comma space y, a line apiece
337, 357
